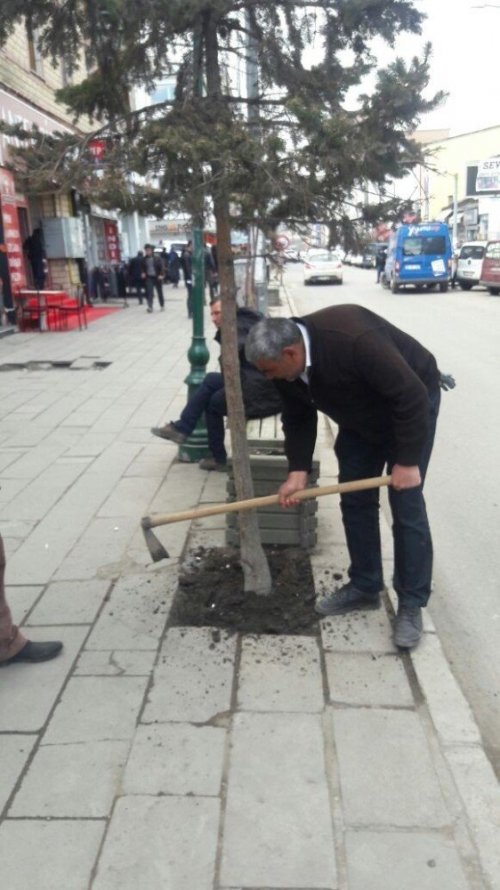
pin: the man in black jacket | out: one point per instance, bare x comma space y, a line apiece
382, 389
261, 398
152, 274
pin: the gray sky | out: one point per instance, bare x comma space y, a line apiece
465, 61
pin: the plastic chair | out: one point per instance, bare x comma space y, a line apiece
27, 311
73, 306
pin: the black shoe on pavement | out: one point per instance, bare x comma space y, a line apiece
407, 627
209, 463
347, 599
34, 652
169, 431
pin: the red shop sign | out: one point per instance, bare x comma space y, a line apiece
112, 243
11, 232
97, 148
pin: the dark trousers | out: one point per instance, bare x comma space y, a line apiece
189, 301
139, 286
360, 459
151, 285
211, 399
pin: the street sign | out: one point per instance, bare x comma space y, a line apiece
282, 242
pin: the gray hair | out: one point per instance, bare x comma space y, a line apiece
268, 338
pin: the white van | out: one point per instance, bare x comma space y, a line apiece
470, 263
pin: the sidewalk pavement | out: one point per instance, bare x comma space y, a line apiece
188, 759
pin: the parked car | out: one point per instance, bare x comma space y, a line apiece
469, 264
420, 255
368, 255
490, 271
323, 266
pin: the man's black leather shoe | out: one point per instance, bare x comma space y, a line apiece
34, 652
408, 627
347, 599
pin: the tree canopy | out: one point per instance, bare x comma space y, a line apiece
322, 120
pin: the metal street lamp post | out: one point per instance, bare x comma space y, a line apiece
196, 446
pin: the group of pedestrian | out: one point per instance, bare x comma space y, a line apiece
148, 271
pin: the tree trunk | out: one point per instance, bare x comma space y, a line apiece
256, 573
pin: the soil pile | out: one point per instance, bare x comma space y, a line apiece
211, 593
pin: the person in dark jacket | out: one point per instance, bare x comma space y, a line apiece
380, 260
260, 397
382, 388
186, 263
174, 267
153, 274
35, 251
135, 270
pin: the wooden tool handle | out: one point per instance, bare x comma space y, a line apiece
265, 501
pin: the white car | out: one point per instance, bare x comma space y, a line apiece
323, 266
470, 263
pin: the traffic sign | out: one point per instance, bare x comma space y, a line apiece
282, 242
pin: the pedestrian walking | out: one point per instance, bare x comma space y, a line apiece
134, 273
382, 388
187, 271
153, 274
174, 267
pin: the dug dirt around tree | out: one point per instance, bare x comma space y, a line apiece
210, 593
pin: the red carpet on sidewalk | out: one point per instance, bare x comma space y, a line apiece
92, 314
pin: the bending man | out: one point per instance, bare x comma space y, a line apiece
382, 389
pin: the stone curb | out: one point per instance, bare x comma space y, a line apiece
455, 727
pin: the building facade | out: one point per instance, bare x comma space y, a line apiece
461, 183
71, 238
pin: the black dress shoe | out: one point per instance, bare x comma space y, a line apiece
347, 599
36, 652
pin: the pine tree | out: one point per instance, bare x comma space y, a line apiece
297, 149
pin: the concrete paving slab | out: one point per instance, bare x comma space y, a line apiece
386, 772
370, 680
21, 599
8, 456
61, 854
10, 489
449, 709
480, 792
194, 676
280, 674
69, 602
28, 693
99, 551
168, 843
411, 861
127, 494
206, 538
91, 444
115, 663
43, 492
277, 828
176, 758
97, 709
14, 752
358, 632
135, 614
144, 467
36, 460
72, 781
